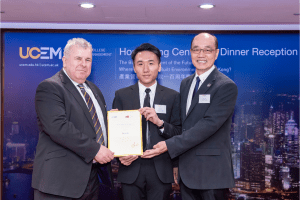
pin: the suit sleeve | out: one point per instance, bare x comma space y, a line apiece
173, 127
51, 111
220, 109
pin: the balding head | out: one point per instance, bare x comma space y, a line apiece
206, 36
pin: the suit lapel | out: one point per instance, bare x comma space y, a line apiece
135, 95
71, 88
203, 89
158, 94
185, 94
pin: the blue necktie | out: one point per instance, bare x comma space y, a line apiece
196, 86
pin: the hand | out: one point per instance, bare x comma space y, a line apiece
116, 109
158, 149
150, 114
175, 174
127, 160
104, 155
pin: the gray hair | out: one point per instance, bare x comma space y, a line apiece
78, 42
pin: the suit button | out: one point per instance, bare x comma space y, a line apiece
183, 129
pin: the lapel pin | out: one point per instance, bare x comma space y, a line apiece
208, 85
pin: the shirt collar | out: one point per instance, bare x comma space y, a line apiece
74, 82
142, 88
204, 76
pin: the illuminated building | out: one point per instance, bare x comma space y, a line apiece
252, 167
291, 143
17, 151
285, 175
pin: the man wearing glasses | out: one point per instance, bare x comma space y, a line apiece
207, 103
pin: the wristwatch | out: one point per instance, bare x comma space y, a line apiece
162, 126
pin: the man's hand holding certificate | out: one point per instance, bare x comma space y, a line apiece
125, 133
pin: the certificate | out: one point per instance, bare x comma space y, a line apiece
125, 132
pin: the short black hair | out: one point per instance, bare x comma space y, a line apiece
146, 47
216, 40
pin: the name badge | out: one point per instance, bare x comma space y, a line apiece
160, 108
204, 98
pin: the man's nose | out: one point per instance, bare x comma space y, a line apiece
201, 53
84, 62
146, 68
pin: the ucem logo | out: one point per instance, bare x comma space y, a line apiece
42, 53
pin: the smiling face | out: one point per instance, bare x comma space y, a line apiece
203, 61
146, 66
78, 63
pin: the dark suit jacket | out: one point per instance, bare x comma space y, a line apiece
67, 140
128, 99
204, 148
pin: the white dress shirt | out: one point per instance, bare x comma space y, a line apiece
202, 77
95, 102
142, 94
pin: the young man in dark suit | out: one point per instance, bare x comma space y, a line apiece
207, 103
71, 112
149, 178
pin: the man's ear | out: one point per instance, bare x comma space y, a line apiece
64, 60
134, 68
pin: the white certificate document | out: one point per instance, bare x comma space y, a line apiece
125, 132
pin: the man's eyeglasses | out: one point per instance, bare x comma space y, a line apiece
205, 51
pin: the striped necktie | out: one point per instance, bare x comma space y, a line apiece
92, 110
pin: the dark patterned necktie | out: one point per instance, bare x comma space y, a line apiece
144, 122
196, 86
92, 110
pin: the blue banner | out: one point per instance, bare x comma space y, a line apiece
265, 67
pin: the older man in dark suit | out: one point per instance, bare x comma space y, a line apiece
207, 103
149, 178
71, 152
